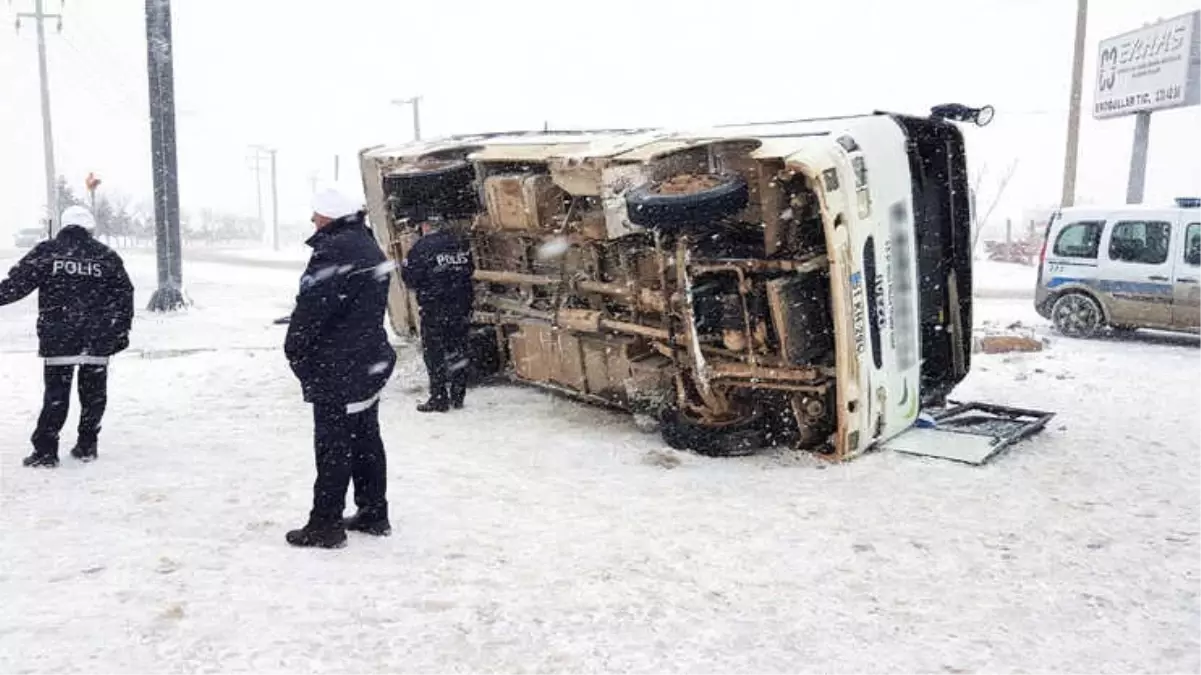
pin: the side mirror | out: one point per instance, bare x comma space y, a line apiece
957, 112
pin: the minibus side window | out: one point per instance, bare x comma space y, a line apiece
1079, 240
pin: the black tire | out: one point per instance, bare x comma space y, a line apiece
483, 355
745, 437
645, 206
446, 191
1077, 315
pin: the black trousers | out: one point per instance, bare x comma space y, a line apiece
56, 402
348, 448
444, 346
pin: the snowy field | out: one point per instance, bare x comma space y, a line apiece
532, 535
993, 279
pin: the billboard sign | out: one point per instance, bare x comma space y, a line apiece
1153, 68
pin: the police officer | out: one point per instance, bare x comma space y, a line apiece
338, 349
85, 307
439, 268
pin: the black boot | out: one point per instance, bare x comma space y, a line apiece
318, 536
434, 405
368, 523
84, 452
41, 459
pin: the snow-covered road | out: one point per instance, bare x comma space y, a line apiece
532, 535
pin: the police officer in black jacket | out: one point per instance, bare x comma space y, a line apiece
338, 349
85, 307
439, 268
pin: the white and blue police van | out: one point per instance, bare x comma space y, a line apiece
1122, 268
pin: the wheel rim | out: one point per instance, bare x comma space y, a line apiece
1076, 315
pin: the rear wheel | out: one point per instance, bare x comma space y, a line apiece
738, 438
442, 188
1077, 315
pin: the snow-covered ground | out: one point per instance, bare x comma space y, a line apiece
532, 534
297, 253
993, 279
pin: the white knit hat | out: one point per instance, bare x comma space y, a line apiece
78, 215
333, 203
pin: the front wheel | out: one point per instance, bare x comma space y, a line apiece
1077, 315
738, 438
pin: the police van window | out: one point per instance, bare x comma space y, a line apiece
1192, 244
1140, 242
1079, 240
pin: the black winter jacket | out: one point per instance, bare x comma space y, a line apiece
336, 343
85, 298
439, 268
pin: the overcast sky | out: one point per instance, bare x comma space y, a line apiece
314, 79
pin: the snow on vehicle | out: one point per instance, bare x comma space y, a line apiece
804, 282
1127, 267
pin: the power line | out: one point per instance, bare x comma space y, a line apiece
87, 61
115, 97
108, 46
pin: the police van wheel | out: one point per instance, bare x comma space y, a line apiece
1077, 315
687, 200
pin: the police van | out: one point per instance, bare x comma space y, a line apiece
1123, 268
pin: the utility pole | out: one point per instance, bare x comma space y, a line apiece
274, 206
255, 162
169, 296
39, 16
337, 161
1073, 144
270, 153
416, 103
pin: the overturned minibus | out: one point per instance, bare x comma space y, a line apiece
803, 282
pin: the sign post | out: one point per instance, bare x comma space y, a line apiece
91, 183
1137, 181
1156, 67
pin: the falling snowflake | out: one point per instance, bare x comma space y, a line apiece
384, 270
553, 248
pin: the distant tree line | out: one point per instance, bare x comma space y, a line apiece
124, 224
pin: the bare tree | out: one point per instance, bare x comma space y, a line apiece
991, 207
